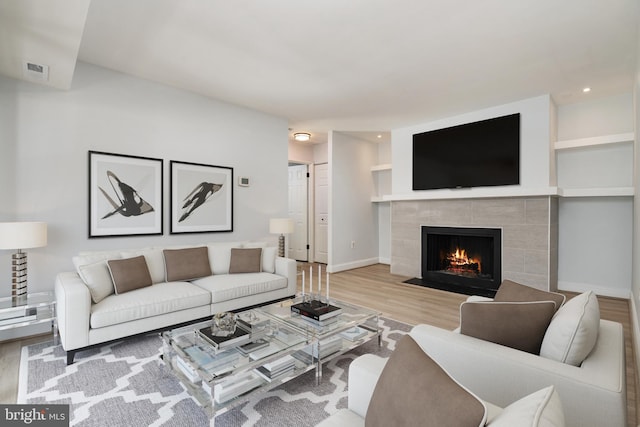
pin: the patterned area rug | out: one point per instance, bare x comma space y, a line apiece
126, 384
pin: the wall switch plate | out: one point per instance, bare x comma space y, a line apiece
243, 181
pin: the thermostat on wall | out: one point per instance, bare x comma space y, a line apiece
243, 181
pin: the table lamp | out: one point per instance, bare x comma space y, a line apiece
281, 226
19, 236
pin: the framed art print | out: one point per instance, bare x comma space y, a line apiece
125, 195
201, 198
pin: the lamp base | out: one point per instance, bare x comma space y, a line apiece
19, 278
281, 245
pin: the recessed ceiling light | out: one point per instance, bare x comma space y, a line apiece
379, 136
302, 136
586, 90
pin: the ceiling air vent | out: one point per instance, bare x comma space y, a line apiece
34, 71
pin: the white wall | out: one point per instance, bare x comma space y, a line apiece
534, 147
595, 245
300, 153
112, 112
320, 153
8, 135
352, 216
598, 117
635, 300
384, 209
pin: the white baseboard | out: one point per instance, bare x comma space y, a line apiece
584, 287
351, 265
386, 261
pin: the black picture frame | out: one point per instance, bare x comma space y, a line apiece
201, 198
125, 195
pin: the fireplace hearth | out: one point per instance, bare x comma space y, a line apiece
460, 259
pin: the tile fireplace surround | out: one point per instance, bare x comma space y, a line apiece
529, 233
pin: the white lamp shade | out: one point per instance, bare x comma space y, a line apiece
281, 226
22, 235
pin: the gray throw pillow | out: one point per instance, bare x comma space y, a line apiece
519, 325
413, 390
186, 264
245, 260
515, 292
129, 274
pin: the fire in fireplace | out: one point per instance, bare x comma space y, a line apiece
460, 263
461, 259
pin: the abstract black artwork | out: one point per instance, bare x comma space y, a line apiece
201, 198
125, 195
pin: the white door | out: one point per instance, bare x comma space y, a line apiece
298, 201
321, 213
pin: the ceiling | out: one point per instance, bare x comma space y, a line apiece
360, 65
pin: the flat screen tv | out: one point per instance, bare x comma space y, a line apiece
479, 154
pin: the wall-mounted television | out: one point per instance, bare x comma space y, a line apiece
479, 154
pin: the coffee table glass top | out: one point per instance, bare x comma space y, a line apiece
350, 316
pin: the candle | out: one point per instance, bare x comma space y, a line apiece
303, 284
311, 281
327, 287
319, 280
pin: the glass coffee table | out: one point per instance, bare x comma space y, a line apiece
352, 327
281, 346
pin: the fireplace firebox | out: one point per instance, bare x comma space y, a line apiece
461, 259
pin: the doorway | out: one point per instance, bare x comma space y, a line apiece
309, 209
299, 212
321, 213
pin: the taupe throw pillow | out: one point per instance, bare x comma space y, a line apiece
129, 274
413, 390
519, 325
186, 264
245, 260
515, 292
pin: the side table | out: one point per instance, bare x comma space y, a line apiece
38, 308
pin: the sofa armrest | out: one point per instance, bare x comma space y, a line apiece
287, 267
593, 394
73, 308
363, 376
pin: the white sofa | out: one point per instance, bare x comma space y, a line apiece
83, 322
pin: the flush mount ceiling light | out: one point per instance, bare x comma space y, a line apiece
586, 90
302, 136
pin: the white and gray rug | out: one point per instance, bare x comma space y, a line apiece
126, 384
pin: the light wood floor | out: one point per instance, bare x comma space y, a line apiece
375, 287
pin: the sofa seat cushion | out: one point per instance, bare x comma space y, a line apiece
154, 300
226, 287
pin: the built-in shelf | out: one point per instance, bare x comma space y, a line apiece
597, 192
383, 167
596, 140
380, 199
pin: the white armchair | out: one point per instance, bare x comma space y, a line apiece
593, 394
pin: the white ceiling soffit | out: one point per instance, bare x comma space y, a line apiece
42, 33
350, 66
